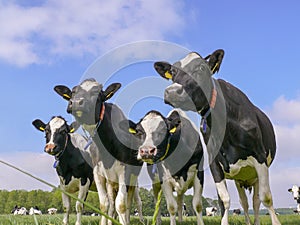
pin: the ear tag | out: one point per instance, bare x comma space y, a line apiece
213, 70
168, 75
132, 131
173, 130
42, 128
72, 130
67, 96
109, 95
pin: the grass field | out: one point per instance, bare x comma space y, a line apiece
88, 220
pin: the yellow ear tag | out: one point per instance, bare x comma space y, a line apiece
72, 130
109, 95
173, 130
42, 128
67, 96
168, 75
132, 131
213, 70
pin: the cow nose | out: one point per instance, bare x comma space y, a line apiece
147, 152
49, 148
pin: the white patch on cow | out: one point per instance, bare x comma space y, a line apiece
150, 124
211, 211
88, 85
186, 60
295, 191
224, 195
55, 124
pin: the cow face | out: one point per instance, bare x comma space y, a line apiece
295, 190
192, 82
56, 134
154, 133
86, 99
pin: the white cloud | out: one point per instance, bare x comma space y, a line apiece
37, 164
75, 28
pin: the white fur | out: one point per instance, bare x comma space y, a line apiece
88, 85
55, 124
186, 60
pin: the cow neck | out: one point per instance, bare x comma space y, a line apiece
58, 156
93, 133
211, 105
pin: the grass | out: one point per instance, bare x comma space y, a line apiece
89, 220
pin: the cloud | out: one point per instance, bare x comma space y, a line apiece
37, 164
31, 34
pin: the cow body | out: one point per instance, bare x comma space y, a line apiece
211, 211
19, 211
248, 146
173, 148
115, 166
295, 190
73, 164
35, 211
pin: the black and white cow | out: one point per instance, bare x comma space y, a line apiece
248, 147
172, 146
236, 212
73, 163
295, 190
114, 161
211, 211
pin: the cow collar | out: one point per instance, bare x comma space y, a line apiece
93, 133
212, 103
58, 155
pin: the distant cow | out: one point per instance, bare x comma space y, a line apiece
35, 211
114, 160
295, 190
52, 211
247, 144
72, 162
172, 145
236, 212
211, 211
19, 211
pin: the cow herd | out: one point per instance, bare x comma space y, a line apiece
239, 139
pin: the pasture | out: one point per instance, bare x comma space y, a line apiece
89, 220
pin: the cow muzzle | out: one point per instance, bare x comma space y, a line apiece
49, 148
147, 153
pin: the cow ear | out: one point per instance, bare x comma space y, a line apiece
128, 126
74, 126
38, 124
163, 69
63, 91
215, 60
290, 190
111, 90
173, 122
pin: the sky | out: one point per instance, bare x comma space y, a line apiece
44, 43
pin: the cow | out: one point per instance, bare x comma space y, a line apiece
211, 211
52, 211
173, 147
35, 211
295, 190
72, 162
240, 138
236, 212
115, 161
19, 211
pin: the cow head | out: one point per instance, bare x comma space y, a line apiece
295, 190
154, 132
56, 133
192, 83
86, 100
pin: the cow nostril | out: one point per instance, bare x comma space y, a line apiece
80, 102
179, 90
152, 151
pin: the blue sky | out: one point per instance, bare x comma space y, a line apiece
45, 43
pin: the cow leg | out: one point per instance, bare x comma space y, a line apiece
67, 205
243, 202
156, 186
179, 205
82, 194
197, 200
265, 192
111, 196
256, 203
100, 182
171, 202
224, 197
138, 201
130, 194
121, 200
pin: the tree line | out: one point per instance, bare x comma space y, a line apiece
48, 199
